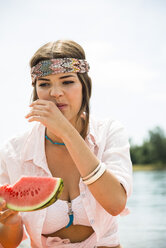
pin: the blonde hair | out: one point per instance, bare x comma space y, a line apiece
66, 49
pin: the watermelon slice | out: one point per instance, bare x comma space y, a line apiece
32, 193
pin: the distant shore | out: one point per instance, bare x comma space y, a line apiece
149, 167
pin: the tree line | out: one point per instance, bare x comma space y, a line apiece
152, 150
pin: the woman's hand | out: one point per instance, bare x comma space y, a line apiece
8, 216
49, 115
11, 227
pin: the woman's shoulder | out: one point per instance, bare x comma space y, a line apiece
108, 130
97, 124
17, 141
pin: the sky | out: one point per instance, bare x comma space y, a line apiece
125, 45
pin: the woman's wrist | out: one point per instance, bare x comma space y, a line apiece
68, 131
12, 229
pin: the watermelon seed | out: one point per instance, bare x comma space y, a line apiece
32, 193
13, 194
36, 191
39, 189
21, 194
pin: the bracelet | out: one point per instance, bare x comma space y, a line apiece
92, 173
96, 176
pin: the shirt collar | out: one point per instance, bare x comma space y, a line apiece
34, 148
91, 136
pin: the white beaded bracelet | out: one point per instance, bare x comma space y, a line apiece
97, 175
92, 173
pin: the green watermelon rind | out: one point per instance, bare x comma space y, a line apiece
54, 198
50, 200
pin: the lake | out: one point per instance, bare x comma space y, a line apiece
145, 226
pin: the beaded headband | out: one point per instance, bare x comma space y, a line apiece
61, 65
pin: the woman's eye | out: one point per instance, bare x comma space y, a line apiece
68, 82
43, 84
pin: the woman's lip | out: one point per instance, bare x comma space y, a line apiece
61, 106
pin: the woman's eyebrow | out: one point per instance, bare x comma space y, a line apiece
43, 79
67, 76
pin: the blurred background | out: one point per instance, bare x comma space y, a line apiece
125, 45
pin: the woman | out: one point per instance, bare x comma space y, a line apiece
92, 157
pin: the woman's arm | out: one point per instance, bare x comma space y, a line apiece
11, 227
107, 190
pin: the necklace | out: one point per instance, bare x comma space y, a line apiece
55, 143
70, 214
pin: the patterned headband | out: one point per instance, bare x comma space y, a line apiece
61, 65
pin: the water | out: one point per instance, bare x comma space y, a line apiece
145, 227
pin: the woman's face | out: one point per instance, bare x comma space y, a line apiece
65, 90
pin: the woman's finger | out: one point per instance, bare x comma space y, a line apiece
40, 107
39, 102
36, 118
2, 205
36, 113
5, 214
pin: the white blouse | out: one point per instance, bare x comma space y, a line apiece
25, 155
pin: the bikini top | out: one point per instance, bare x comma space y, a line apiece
63, 213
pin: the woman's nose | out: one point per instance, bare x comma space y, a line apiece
56, 91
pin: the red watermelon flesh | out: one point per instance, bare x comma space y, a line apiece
32, 193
